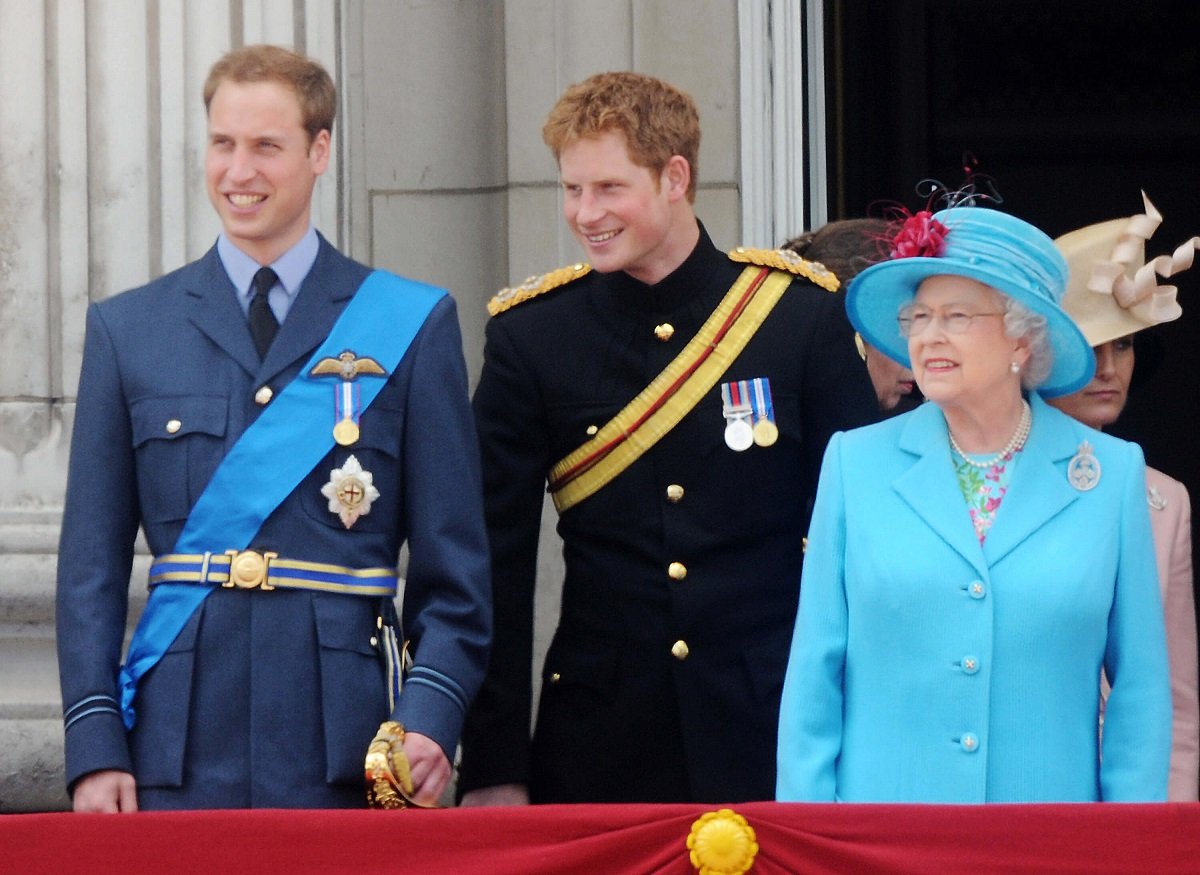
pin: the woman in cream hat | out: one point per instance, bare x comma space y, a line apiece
956, 607
1112, 296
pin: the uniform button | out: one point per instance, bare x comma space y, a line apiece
173, 425
969, 742
970, 664
592, 429
555, 677
664, 332
680, 650
374, 641
674, 493
976, 589
677, 571
263, 395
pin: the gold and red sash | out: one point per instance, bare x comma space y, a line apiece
672, 394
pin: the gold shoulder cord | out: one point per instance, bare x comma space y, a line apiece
534, 286
785, 259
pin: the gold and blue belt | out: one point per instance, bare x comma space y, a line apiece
250, 569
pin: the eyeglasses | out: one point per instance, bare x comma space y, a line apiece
915, 319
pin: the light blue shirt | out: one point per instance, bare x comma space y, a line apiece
291, 268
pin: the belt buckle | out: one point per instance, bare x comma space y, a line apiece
248, 569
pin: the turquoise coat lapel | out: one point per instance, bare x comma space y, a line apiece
930, 487
1039, 489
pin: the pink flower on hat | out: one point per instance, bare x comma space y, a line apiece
921, 235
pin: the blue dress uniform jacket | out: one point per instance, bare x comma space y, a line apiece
266, 698
655, 688
926, 668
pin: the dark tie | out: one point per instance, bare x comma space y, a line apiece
263, 326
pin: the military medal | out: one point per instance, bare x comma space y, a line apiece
350, 491
347, 406
1083, 471
765, 430
739, 433
346, 411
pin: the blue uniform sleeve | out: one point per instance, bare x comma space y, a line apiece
447, 612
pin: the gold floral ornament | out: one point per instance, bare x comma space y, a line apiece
722, 843
388, 777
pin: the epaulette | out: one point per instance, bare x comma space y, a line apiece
536, 285
785, 259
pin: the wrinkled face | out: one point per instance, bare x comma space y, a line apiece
892, 381
967, 368
260, 167
621, 212
1101, 401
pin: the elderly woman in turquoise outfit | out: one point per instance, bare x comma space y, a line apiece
973, 565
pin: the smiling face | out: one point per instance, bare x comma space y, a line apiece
1101, 401
260, 166
624, 215
971, 368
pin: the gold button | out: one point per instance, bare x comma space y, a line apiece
555, 677
374, 641
592, 429
674, 492
173, 425
680, 650
263, 395
664, 332
677, 571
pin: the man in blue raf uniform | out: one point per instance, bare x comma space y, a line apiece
278, 419
680, 399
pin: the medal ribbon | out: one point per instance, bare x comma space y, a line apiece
674, 392
252, 480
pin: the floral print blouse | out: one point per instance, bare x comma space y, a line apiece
984, 488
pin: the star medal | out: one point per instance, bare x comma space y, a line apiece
735, 403
1083, 471
350, 491
347, 406
765, 430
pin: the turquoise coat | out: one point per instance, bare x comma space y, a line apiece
927, 668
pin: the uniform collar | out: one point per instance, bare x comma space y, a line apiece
692, 278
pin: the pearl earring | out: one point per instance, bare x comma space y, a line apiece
1015, 368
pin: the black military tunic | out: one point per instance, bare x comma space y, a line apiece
682, 575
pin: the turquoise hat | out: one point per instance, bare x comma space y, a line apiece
994, 248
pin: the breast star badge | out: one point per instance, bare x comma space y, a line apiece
350, 491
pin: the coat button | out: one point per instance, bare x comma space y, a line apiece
680, 650
970, 664
969, 742
173, 425
677, 571
664, 332
263, 395
374, 641
674, 493
555, 677
976, 589
592, 429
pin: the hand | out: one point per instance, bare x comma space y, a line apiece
429, 766
107, 792
501, 794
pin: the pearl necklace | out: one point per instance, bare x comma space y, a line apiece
1015, 443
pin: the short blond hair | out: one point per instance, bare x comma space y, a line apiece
657, 119
263, 63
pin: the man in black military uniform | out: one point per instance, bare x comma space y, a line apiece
680, 399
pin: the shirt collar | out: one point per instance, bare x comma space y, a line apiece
291, 267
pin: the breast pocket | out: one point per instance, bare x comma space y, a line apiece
377, 452
178, 442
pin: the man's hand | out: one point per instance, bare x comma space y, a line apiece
429, 765
501, 794
107, 792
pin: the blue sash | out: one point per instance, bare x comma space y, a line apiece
381, 319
